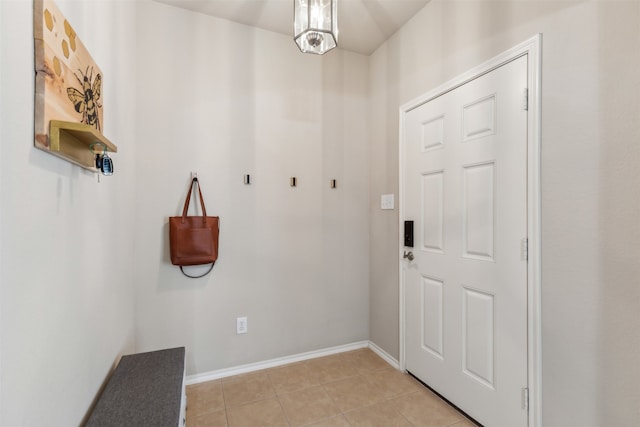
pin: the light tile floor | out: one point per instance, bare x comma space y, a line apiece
355, 388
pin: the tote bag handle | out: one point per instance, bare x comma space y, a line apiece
194, 181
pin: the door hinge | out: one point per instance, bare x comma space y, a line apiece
525, 101
524, 249
525, 398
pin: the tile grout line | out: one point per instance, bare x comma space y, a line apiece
277, 397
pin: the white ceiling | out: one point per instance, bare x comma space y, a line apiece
363, 25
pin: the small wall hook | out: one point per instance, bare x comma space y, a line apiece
103, 145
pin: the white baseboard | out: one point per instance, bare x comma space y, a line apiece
252, 367
384, 355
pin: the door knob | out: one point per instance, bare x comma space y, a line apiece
408, 255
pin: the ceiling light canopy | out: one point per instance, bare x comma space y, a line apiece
315, 25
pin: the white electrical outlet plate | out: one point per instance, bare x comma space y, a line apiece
241, 325
386, 201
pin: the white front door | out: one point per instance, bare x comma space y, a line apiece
465, 188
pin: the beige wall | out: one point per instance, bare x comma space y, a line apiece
590, 184
66, 260
225, 100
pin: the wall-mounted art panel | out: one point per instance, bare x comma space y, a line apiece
68, 84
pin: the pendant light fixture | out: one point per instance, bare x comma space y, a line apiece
315, 25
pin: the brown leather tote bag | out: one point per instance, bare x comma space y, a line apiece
193, 240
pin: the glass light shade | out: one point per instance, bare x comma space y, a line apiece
315, 25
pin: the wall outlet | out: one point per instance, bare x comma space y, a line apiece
241, 325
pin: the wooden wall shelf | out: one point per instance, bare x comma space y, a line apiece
72, 142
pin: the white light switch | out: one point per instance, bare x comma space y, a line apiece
386, 201
241, 325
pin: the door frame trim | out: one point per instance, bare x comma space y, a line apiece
532, 48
